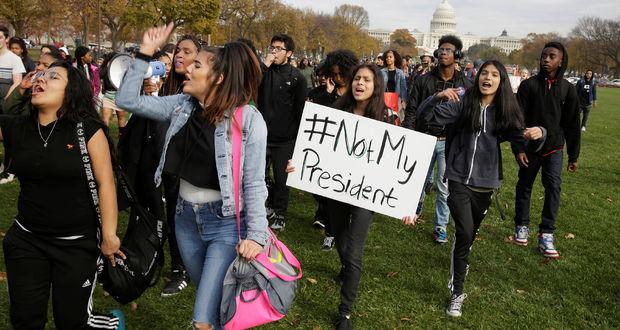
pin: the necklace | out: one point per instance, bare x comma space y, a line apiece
48, 136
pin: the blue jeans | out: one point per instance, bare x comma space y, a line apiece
442, 212
207, 242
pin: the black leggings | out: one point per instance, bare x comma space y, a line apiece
35, 264
350, 225
467, 208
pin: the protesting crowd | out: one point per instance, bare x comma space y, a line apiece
207, 147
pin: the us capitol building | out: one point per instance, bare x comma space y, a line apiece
444, 22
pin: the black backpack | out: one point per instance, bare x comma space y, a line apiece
142, 243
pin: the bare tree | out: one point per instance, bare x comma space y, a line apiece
602, 37
354, 15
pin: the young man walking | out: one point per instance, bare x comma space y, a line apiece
441, 77
281, 98
586, 90
549, 101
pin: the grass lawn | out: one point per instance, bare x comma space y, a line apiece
404, 282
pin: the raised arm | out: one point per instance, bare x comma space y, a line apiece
128, 95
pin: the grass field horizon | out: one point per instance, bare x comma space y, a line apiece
404, 281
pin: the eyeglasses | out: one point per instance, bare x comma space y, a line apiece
47, 76
276, 48
446, 50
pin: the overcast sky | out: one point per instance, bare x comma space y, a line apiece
481, 17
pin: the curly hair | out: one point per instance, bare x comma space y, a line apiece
344, 59
452, 40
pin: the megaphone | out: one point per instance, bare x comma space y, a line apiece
119, 64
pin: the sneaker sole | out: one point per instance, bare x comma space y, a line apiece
453, 314
170, 294
549, 255
520, 243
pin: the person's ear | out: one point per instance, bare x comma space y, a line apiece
289, 53
220, 79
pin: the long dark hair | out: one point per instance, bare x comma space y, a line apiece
508, 115
78, 103
80, 52
241, 73
397, 58
172, 84
376, 107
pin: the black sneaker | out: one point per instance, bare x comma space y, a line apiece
344, 323
178, 281
278, 223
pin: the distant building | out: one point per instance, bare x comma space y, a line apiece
381, 35
444, 22
504, 41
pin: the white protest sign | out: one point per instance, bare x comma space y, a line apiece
360, 161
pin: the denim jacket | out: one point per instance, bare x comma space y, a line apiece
401, 82
177, 109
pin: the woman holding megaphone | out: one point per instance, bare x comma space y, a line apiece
197, 149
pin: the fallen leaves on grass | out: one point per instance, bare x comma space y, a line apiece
569, 236
509, 239
133, 306
392, 274
405, 318
311, 280
2, 233
316, 327
2, 276
478, 238
519, 291
609, 200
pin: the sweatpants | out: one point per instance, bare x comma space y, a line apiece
467, 208
35, 264
278, 155
171, 193
350, 225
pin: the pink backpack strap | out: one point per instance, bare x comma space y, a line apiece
237, 137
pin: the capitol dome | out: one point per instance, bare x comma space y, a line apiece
444, 19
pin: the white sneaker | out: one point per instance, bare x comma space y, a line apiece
6, 178
328, 243
455, 306
583, 128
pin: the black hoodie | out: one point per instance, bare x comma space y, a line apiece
553, 105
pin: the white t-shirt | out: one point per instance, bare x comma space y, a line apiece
9, 64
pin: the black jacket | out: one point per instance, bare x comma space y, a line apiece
555, 107
425, 86
472, 158
281, 98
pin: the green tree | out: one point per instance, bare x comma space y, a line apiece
486, 52
403, 42
20, 14
529, 54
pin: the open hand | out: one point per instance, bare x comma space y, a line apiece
154, 38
